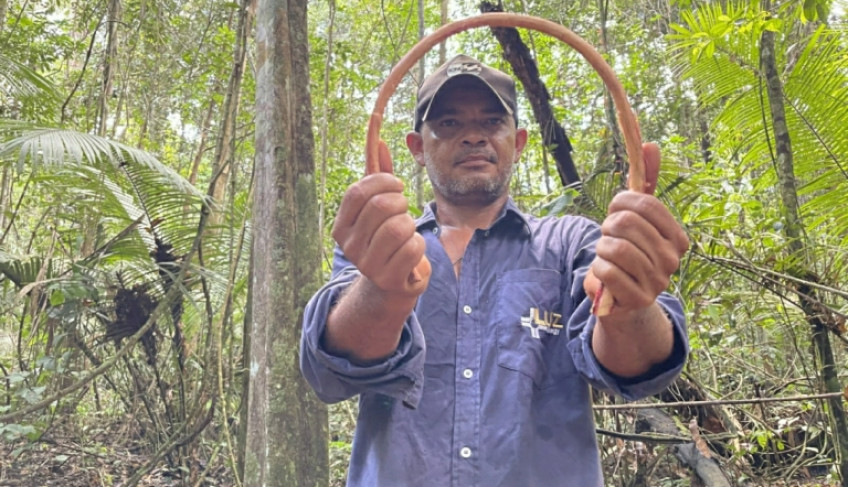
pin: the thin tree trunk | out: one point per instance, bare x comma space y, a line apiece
221, 166
419, 169
109, 65
201, 146
5, 195
325, 123
616, 147
4, 9
443, 18
286, 440
5, 179
794, 232
92, 216
123, 89
247, 345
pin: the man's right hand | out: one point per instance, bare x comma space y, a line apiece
378, 236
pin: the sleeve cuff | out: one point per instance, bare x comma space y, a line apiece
649, 383
334, 378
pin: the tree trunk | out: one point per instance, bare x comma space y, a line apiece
221, 162
109, 65
524, 66
793, 229
247, 344
286, 442
419, 169
91, 214
443, 17
201, 145
4, 8
325, 122
5, 179
614, 139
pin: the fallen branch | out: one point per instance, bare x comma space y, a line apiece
661, 438
613, 407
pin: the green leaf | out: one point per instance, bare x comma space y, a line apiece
823, 11
32, 394
14, 431
773, 25
57, 298
810, 10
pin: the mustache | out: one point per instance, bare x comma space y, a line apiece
476, 154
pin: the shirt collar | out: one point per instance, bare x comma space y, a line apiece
509, 213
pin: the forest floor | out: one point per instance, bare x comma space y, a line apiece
111, 456
57, 460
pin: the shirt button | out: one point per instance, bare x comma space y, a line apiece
468, 373
486, 233
466, 309
465, 452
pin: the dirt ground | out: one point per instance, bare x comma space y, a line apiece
66, 463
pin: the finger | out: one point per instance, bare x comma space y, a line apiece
420, 275
378, 211
591, 284
626, 291
390, 262
635, 265
654, 213
631, 239
412, 252
385, 158
357, 195
651, 156
356, 239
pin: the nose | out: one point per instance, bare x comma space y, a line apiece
474, 135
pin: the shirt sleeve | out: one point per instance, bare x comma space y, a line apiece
581, 325
334, 378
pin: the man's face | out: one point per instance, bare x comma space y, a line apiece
468, 144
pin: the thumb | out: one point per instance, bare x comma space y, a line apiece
651, 156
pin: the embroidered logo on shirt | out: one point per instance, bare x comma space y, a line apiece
546, 321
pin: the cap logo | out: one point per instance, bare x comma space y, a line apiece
464, 68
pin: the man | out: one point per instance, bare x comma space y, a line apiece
478, 374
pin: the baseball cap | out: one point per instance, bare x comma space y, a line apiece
500, 83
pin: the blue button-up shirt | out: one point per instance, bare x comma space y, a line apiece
489, 385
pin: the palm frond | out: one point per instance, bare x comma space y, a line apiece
52, 146
19, 81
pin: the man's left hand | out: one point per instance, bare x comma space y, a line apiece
640, 247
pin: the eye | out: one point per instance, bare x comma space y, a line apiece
448, 122
494, 121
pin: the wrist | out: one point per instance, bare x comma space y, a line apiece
388, 300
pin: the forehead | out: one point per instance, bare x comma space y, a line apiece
465, 93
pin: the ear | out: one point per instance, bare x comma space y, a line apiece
520, 142
415, 143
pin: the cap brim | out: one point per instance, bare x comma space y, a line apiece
424, 115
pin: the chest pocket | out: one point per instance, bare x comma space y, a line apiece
531, 335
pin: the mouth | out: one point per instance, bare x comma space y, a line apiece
476, 158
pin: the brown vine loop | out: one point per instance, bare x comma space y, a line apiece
627, 120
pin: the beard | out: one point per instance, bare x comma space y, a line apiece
480, 189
